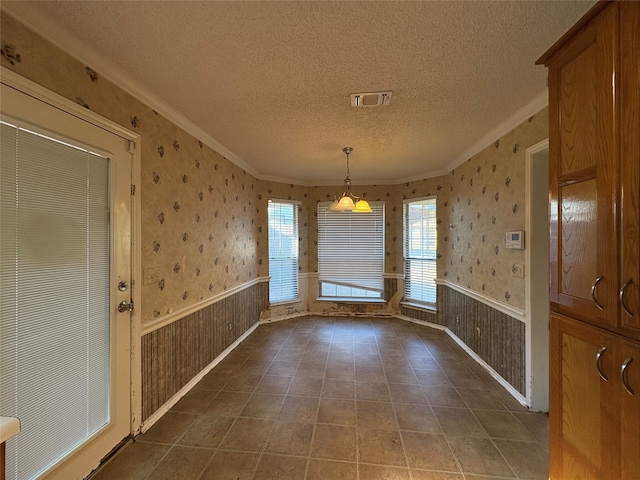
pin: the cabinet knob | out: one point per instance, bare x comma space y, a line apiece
621, 296
594, 285
623, 375
598, 359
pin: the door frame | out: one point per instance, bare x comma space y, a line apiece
41, 93
537, 334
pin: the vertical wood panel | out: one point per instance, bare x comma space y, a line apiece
174, 354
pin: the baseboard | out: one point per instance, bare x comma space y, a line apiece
149, 422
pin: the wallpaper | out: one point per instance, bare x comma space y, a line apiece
204, 220
199, 211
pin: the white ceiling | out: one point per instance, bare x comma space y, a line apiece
269, 82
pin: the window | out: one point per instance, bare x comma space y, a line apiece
283, 250
420, 244
351, 253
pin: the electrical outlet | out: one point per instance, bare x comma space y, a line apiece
151, 275
517, 270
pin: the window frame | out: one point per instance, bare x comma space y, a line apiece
407, 260
295, 205
369, 284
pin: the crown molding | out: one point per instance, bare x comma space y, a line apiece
539, 102
35, 20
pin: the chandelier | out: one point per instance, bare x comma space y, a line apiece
349, 202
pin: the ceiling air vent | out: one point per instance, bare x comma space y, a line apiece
374, 99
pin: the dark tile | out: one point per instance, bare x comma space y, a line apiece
289, 438
231, 466
311, 370
432, 378
227, 404
194, 401
207, 431
315, 356
431, 475
303, 385
182, 463
247, 434
400, 375
537, 424
375, 391
419, 418
338, 411
480, 399
278, 467
458, 421
340, 372
407, 394
528, 460
377, 472
371, 359
133, 461
466, 379
503, 425
299, 409
444, 396
365, 373
424, 363
340, 358
338, 389
383, 447
395, 361
287, 369
263, 405
479, 456
169, 428
428, 451
375, 415
327, 469
334, 442
293, 355
214, 380
243, 382
274, 384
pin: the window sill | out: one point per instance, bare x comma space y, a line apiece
350, 300
284, 302
420, 306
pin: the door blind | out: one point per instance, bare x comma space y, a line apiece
54, 294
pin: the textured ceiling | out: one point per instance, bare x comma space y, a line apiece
270, 81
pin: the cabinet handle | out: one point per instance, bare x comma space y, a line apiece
598, 357
593, 292
622, 290
623, 375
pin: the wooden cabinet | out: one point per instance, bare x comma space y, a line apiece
594, 186
594, 419
594, 130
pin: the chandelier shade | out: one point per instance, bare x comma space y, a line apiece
348, 202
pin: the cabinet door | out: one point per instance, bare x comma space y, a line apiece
583, 404
630, 409
583, 172
630, 165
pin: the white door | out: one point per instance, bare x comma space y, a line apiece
66, 246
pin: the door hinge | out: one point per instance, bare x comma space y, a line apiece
131, 147
133, 189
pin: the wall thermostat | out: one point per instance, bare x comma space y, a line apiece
514, 240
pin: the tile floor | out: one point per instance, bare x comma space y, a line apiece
340, 399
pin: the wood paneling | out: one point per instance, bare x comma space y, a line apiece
496, 337
175, 353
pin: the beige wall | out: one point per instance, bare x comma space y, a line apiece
204, 219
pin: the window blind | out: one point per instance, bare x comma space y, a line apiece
351, 248
420, 250
54, 297
283, 251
